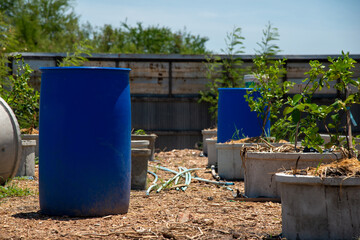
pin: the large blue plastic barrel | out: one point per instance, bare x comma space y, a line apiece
84, 141
235, 118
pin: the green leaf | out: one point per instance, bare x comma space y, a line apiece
288, 110
296, 98
296, 115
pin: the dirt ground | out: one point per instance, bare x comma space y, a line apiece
203, 211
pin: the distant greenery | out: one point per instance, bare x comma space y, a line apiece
151, 39
53, 26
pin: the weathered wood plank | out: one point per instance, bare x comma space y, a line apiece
148, 77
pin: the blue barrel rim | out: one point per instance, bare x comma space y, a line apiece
230, 89
85, 68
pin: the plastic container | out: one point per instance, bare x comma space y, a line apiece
10, 143
235, 118
84, 142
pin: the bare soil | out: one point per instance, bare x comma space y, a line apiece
203, 211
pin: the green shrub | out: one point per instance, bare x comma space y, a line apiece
22, 98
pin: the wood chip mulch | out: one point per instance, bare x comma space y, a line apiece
203, 211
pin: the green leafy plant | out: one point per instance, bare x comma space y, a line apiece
340, 71
12, 190
225, 72
307, 114
77, 58
266, 96
140, 132
21, 97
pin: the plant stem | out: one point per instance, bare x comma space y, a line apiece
265, 120
348, 126
296, 134
349, 135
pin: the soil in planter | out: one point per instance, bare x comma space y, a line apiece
29, 131
286, 147
254, 140
342, 168
210, 129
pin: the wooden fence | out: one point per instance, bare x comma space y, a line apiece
165, 90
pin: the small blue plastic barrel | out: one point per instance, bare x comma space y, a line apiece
84, 141
235, 118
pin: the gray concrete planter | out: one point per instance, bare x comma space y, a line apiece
212, 153
10, 143
207, 133
140, 144
32, 137
260, 169
230, 165
27, 163
139, 167
151, 138
314, 208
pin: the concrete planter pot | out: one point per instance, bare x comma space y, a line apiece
260, 169
10, 143
314, 208
27, 163
32, 137
212, 153
151, 138
207, 133
139, 167
230, 165
140, 144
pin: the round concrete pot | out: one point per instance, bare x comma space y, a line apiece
149, 137
140, 143
207, 133
314, 208
139, 167
260, 169
212, 154
230, 165
27, 164
32, 137
10, 143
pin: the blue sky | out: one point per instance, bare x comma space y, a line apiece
305, 26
